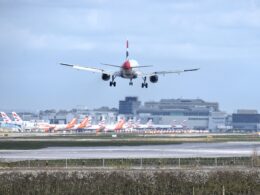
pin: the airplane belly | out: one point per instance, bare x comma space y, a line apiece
128, 74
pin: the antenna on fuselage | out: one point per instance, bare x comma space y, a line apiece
127, 53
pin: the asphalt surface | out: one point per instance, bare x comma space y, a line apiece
185, 150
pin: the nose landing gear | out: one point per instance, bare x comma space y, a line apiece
131, 82
145, 85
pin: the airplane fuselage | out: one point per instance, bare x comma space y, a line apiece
128, 69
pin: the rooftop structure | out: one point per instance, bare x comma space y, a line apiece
184, 107
129, 106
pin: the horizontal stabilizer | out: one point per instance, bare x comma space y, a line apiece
66, 64
195, 69
144, 66
118, 66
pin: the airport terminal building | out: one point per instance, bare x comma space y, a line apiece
194, 114
246, 120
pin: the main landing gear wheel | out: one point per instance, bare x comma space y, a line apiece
145, 85
131, 83
112, 83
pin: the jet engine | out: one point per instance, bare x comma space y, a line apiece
154, 79
105, 77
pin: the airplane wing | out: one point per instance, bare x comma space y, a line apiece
86, 68
168, 72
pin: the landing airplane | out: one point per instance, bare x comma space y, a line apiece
128, 70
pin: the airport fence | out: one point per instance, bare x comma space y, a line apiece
253, 161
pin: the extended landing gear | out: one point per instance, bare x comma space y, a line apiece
144, 84
112, 83
131, 82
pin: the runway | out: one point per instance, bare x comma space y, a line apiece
185, 150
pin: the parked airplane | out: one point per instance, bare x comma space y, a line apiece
117, 127
63, 127
180, 126
128, 70
111, 128
148, 125
6, 118
84, 123
97, 128
7, 122
17, 118
32, 125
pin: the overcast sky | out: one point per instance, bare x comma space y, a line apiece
222, 37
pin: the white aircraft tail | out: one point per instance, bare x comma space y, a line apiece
17, 118
130, 123
6, 118
150, 123
102, 124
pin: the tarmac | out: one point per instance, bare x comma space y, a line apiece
184, 150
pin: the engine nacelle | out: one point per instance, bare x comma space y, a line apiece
154, 79
105, 77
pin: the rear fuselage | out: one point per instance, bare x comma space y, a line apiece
129, 70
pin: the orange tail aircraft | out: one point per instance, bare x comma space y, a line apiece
83, 123
119, 125
70, 125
